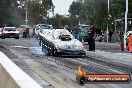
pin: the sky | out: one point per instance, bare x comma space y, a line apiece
62, 6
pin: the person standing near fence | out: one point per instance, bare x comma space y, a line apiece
33, 33
121, 39
27, 32
24, 32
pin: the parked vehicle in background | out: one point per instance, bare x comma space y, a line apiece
10, 32
84, 32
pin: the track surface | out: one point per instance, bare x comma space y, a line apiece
60, 72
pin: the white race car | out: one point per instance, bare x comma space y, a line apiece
60, 42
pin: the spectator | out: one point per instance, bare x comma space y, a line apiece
121, 36
27, 32
24, 32
33, 34
101, 36
92, 36
110, 35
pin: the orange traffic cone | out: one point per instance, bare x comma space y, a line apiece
130, 43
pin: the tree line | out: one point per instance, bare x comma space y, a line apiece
7, 10
96, 12
12, 12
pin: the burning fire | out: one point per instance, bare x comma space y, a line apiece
81, 71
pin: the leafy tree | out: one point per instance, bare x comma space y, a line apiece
38, 9
90, 11
75, 13
58, 20
7, 12
75, 8
96, 11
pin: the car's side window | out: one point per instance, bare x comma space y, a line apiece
49, 34
41, 31
37, 28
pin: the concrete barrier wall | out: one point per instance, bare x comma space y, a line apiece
11, 76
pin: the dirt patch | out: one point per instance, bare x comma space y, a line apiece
7, 52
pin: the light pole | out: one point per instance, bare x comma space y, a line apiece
126, 13
26, 12
107, 20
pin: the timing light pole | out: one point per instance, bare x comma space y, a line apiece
26, 12
126, 13
107, 20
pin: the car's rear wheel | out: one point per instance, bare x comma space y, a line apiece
55, 52
50, 53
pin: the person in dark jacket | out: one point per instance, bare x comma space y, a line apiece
24, 32
110, 35
92, 36
33, 33
27, 32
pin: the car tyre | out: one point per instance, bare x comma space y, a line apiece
55, 53
50, 53
81, 80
